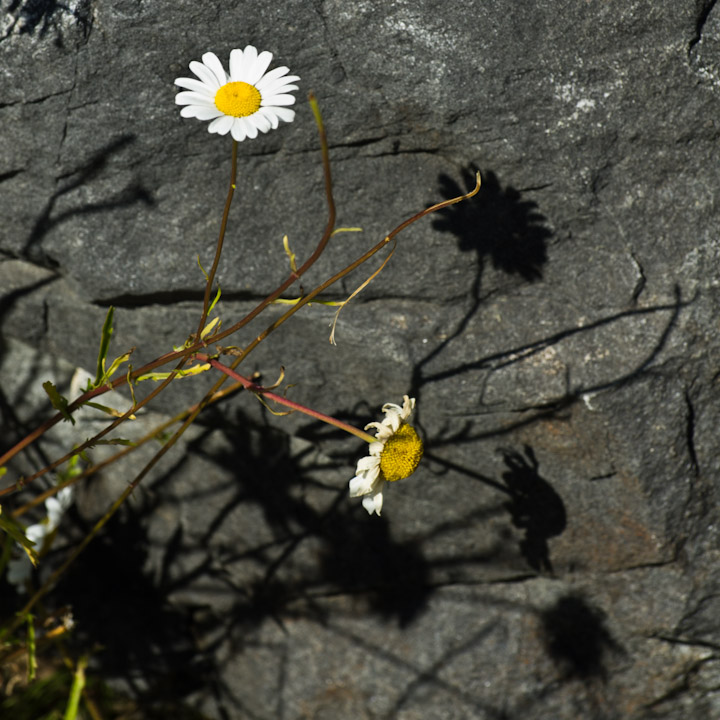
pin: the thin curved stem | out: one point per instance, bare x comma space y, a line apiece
254, 387
221, 238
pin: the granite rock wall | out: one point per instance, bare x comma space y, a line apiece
554, 556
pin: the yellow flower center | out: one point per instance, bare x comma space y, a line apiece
238, 99
401, 454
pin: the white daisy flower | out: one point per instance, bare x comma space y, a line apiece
242, 102
394, 456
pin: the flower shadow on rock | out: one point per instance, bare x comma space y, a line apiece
577, 639
497, 224
534, 507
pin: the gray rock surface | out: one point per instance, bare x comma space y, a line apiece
554, 556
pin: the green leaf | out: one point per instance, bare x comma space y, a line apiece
116, 363
110, 411
115, 441
107, 331
58, 401
32, 659
17, 533
345, 229
214, 302
210, 326
194, 370
202, 269
289, 253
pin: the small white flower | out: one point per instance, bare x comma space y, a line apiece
57, 505
243, 102
394, 456
20, 568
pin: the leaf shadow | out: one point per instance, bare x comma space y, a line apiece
48, 219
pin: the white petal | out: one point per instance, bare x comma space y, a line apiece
54, 511
382, 432
221, 125
260, 122
376, 449
392, 421
236, 64
366, 463
249, 58
196, 86
211, 61
408, 406
391, 407
201, 112
360, 485
282, 90
36, 533
274, 100
260, 66
373, 504
282, 113
65, 497
273, 75
205, 74
238, 129
249, 128
270, 116
276, 86
192, 98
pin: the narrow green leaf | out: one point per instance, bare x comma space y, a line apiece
17, 533
210, 327
202, 269
58, 401
110, 411
32, 659
107, 331
289, 253
345, 229
116, 363
115, 441
194, 370
214, 302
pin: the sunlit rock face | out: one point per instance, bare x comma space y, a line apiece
557, 547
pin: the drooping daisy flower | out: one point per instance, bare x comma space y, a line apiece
243, 102
394, 456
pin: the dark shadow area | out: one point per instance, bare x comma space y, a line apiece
497, 224
577, 639
534, 507
265, 539
125, 615
163, 650
47, 220
355, 554
12, 428
44, 16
